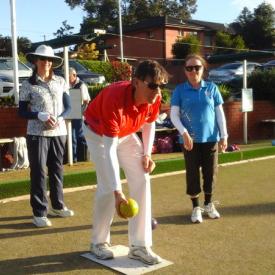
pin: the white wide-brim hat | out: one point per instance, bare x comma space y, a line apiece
45, 51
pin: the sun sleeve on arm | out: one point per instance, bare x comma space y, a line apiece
221, 121
175, 118
148, 136
112, 164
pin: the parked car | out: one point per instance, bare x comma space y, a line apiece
6, 75
83, 73
268, 65
230, 71
6, 69
6, 86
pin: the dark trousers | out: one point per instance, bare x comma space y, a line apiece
78, 138
46, 152
204, 156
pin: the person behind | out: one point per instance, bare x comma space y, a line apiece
77, 131
197, 113
44, 101
112, 119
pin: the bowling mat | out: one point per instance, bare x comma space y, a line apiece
123, 264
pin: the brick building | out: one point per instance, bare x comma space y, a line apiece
153, 38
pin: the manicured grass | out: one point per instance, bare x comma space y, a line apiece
21, 187
241, 242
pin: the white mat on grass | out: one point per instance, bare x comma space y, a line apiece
123, 264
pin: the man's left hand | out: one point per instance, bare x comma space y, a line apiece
148, 164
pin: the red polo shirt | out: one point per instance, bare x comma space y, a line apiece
113, 112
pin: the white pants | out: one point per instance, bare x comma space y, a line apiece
130, 152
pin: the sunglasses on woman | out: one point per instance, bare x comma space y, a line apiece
154, 86
44, 58
191, 68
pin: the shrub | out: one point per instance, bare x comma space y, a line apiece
113, 71
263, 85
121, 71
185, 46
261, 82
99, 67
7, 101
95, 89
225, 91
166, 96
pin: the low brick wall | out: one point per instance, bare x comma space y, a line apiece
255, 128
11, 125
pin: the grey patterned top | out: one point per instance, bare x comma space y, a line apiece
45, 97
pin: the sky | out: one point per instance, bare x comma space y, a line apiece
39, 19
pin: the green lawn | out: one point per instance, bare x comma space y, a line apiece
166, 163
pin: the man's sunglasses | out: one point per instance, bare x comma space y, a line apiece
154, 86
191, 68
44, 58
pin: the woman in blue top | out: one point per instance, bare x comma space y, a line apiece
197, 113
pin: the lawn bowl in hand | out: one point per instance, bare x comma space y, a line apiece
154, 223
130, 209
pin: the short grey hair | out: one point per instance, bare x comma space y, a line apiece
72, 71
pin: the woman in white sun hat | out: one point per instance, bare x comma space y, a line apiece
44, 100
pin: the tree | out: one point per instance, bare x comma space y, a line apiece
230, 43
87, 52
65, 29
185, 46
257, 29
104, 13
23, 44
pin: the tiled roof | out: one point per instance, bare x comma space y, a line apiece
162, 21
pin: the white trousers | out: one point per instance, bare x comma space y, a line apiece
130, 152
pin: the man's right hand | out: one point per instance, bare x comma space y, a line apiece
119, 198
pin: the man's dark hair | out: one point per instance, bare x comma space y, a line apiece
151, 68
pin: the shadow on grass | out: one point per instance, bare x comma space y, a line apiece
33, 231
241, 210
50, 264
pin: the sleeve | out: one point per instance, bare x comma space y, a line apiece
24, 112
148, 136
221, 121
175, 118
217, 95
112, 164
175, 99
66, 100
66, 104
84, 93
24, 100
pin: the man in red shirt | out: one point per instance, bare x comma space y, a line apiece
112, 120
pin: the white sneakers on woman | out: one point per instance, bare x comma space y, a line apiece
45, 222
208, 209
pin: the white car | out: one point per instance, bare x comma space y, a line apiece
230, 71
6, 86
6, 75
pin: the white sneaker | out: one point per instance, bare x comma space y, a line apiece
41, 221
196, 216
144, 254
65, 212
102, 251
211, 210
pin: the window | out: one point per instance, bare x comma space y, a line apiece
180, 32
150, 34
207, 40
